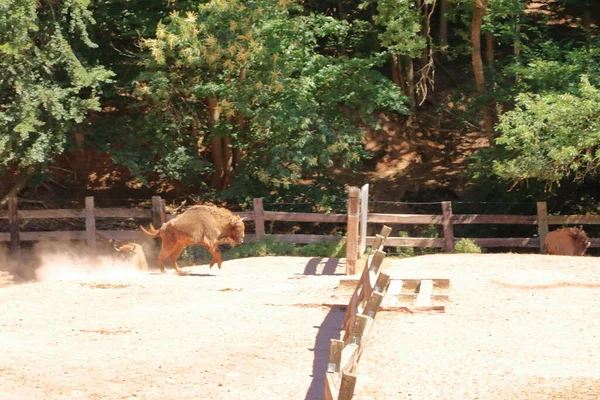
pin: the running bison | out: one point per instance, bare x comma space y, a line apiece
205, 225
133, 253
567, 242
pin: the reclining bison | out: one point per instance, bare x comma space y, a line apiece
567, 242
205, 225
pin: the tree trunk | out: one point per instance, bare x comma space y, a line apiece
410, 83
444, 26
478, 13
218, 155
489, 50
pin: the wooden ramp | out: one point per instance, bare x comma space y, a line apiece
416, 295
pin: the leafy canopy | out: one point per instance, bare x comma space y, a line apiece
46, 89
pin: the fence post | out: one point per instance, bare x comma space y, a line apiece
448, 228
352, 230
90, 222
259, 219
13, 220
542, 220
158, 212
364, 211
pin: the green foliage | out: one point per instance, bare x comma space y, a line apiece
404, 251
268, 247
302, 110
46, 88
465, 245
551, 137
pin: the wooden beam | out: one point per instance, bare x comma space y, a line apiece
405, 218
364, 214
448, 229
13, 221
542, 220
158, 212
467, 219
303, 217
335, 355
352, 231
90, 222
259, 218
347, 386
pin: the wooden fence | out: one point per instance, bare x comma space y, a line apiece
344, 353
356, 220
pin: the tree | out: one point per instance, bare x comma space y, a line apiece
247, 79
46, 87
551, 137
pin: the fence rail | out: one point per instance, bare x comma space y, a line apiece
356, 220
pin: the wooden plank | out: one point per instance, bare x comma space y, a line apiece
305, 239
304, 217
13, 221
542, 215
331, 387
412, 309
4, 236
410, 242
158, 215
573, 219
347, 386
123, 213
413, 284
352, 231
405, 218
448, 229
373, 304
358, 330
349, 357
493, 219
259, 218
335, 355
394, 287
123, 235
55, 235
506, 242
364, 213
411, 297
90, 222
381, 283
425, 291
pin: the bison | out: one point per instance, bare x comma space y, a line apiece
567, 242
205, 225
133, 252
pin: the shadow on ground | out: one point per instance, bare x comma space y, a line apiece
324, 266
329, 329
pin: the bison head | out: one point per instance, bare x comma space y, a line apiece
237, 229
581, 239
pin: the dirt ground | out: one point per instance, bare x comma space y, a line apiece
256, 330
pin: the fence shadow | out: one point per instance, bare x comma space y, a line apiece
329, 329
330, 266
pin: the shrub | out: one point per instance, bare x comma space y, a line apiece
465, 245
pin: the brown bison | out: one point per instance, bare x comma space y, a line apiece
205, 225
567, 242
133, 252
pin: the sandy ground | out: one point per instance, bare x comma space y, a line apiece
256, 330
250, 330
517, 327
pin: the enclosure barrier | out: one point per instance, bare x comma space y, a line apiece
344, 353
356, 220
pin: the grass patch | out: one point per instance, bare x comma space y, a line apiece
197, 254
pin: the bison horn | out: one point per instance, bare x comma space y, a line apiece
243, 218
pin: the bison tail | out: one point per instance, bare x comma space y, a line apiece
153, 232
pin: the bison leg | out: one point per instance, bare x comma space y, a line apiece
166, 250
177, 249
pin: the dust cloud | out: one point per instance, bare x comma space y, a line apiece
55, 261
